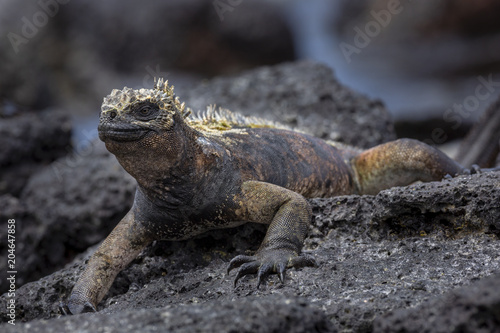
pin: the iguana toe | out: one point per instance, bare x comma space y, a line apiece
238, 261
267, 262
245, 269
264, 270
77, 304
304, 260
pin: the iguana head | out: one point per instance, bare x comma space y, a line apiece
133, 115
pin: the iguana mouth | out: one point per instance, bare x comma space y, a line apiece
122, 134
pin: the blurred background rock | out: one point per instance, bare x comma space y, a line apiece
419, 57
428, 58
84, 49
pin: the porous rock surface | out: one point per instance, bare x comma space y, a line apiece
29, 140
472, 309
399, 249
64, 208
247, 315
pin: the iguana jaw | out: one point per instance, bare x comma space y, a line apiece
120, 133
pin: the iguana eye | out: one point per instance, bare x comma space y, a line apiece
146, 111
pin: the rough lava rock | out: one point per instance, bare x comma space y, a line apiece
87, 192
29, 141
373, 258
66, 207
273, 313
302, 94
472, 309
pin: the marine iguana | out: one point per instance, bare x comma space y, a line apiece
218, 169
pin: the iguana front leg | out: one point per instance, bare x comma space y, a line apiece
122, 245
288, 214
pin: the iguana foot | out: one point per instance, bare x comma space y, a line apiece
267, 262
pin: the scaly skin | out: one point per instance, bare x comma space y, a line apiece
219, 170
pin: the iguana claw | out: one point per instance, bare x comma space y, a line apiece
74, 308
267, 262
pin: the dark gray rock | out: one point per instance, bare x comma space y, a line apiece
68, 206
87, 192
254, 31
474, 309
30, 140
273, 313
11, 208
304, 95
369, 262
394, 251
72, 59
194, 35
449, 208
